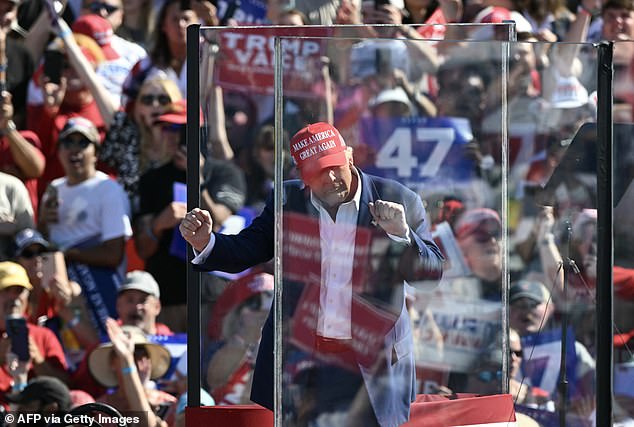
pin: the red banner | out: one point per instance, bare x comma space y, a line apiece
247, 59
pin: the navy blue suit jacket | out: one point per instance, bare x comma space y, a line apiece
392, 394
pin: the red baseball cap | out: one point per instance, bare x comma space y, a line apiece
235, 294
176, 114
100, 30
316, 147
477, 218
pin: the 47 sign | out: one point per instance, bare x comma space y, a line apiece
415, 150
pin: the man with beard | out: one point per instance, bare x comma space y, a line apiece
139, 303
46, 356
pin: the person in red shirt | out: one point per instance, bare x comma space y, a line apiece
20, 151
46, 356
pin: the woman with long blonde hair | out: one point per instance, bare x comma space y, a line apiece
132, 144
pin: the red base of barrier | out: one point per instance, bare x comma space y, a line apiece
234, 416
427, 411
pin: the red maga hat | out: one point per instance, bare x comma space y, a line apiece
318, 146
100, 30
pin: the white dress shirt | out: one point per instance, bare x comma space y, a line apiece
337, 241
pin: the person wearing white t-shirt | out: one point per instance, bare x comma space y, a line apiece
85, 213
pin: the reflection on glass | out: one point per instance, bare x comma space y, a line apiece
437, 127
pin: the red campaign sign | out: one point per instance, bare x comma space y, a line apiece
370, 325
302, 264
247, 59
301, 247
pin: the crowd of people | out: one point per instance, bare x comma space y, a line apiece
93, 166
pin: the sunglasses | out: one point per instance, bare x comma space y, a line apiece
488, 376
517, 353
32, 253
82, 143
97, 7
149, 99
483, 236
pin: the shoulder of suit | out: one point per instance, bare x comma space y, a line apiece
386, 187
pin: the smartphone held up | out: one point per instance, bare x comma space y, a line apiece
18, 333
53, 269
54, 64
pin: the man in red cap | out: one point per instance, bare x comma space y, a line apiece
358, 303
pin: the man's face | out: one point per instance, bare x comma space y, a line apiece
13, 300
462, 95
137, 308
618, 24
8, 13
527, 315
78, 157
482, 251
31, 259
332, 186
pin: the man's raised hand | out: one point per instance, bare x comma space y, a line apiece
390, 217
196, 228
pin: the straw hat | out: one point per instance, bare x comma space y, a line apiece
99, 359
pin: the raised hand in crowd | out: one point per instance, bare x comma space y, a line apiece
29, 161
348, 13
53, 92
207, 12
167, 219
123, 347
170, 217
381, 14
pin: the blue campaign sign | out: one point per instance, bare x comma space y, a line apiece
416, 150
178, 247
551, 419
245, 12
542, 360
177, 346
